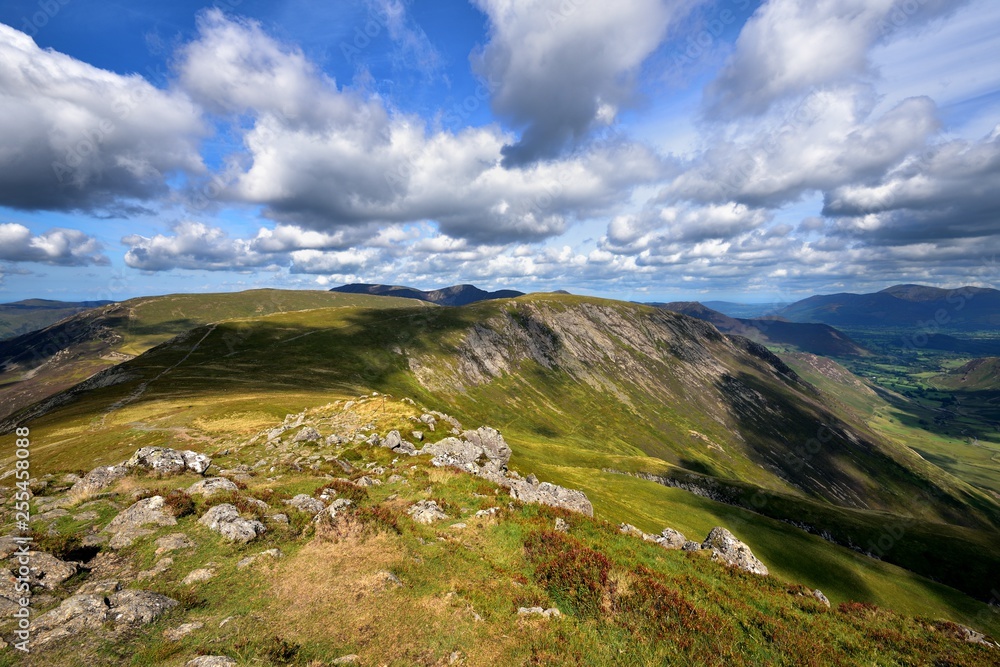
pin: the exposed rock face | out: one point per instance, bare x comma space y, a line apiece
308, 434
818, 594
124, 609
166, 461
211, 486
98, 479
426, 512
211, 661
306, 504
492, 444
395, 442
48, 571
672, 539
127, 526
551, 494
484, 452
226, 520
727, 548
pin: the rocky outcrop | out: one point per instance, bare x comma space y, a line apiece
98, 479
211, 661
485, 453
128, 526
550, 494
308, 434
394, 441
727, 548
166, 461
307, 504
48, 571
124, 610
426, 512
226, 520
209, 487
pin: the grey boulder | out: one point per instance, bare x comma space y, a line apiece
226, 520
727, 548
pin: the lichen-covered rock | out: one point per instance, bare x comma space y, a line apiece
48, 571
551, 494
226, 520
212, 485
127, 526
166, 461
453, 452
818, 594
211, 661
495, 448
124, 609
727, 548
308, 434
426, 512
98, 479
306, 504
672, 539
172, 542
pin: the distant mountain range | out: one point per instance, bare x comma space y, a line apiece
20, 317
808, 337
456, 295
914, 306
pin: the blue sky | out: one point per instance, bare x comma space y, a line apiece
647, 150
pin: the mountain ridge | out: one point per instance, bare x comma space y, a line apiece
455, 295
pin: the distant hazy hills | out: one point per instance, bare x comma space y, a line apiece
918, 306
809, 337
456, 295
21, 317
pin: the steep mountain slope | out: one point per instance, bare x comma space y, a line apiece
456, 295
38, 364
977, 375
21, 317
964, 308
807, 337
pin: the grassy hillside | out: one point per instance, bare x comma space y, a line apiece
21, 317
394, 592
39, 364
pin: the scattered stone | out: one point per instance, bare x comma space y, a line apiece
539, 611
374, 440
166, 461
307, 504
210, 661
490, 511
127, 526
159, 567
279, 518
86, 516
691, 545
199, 575
561, 525
727, 548
308, 434
249, 560
124, 609
818, 594
98, 479
629, 529
48, 571
212, 485
672, 539
426, 512
350, 659
172, 542
418, 436
182, 631
396, 479
367, 481
552, 495
457, 526
225, 519
102, 587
